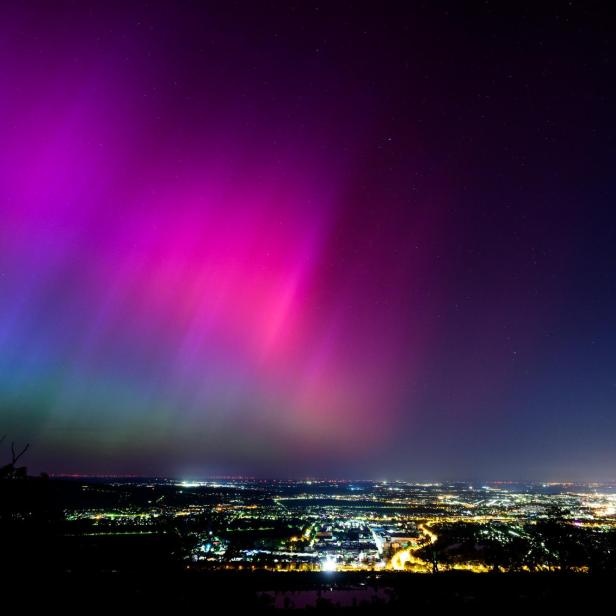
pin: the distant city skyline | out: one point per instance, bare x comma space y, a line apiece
293, 241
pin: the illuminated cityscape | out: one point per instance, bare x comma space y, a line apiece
357, 526
294, 544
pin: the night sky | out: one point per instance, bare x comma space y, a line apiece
294, 239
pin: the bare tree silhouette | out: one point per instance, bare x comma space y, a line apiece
10, 471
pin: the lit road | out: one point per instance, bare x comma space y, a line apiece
406, 559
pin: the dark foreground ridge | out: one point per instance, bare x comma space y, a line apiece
264, 590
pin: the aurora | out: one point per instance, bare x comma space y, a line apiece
275, 245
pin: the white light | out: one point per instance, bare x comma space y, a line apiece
329, 564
